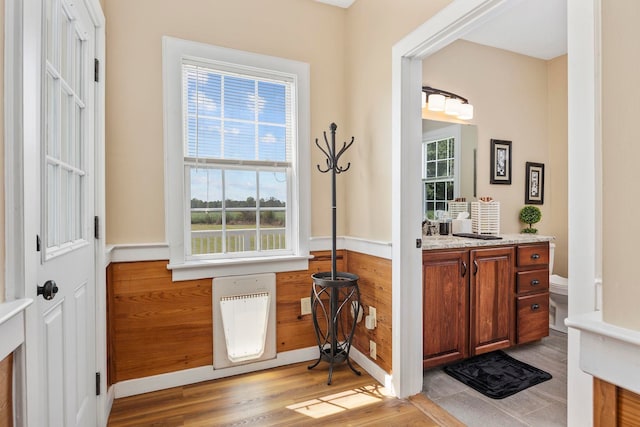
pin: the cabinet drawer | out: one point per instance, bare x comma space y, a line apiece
529, 255
533, 317
532, 281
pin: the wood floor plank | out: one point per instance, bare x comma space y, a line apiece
286, 396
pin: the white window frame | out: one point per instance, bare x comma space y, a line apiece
173, 52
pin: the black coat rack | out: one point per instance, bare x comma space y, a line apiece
334, 294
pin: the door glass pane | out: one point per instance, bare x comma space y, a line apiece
52, 205
49, 30
65, 29
50, 102
64, 126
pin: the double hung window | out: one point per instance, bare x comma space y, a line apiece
237, 146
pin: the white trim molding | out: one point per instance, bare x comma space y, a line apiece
160, 251
207, 373
607, 351
12, 325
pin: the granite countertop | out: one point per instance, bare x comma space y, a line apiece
449, 242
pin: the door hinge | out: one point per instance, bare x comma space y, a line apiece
97, 383
96, 227
418, 243
96, 70
38, 243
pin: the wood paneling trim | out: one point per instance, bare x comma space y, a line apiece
6, 393
614, 406
604, 404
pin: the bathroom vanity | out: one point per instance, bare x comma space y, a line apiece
483, 295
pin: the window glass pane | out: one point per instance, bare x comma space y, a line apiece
240, 100
272, 102
273, 213
431, 169
451, 147
272, 143
239, 140
449, 190
204, 137
431, 151
440, 190
431, 190
442, 168
240, 188
443, 149
240, 235
206, 210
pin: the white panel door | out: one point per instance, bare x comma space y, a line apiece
67, 270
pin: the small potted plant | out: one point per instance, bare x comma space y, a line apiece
530, 215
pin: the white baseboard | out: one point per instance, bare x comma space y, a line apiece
372, 369
206, 373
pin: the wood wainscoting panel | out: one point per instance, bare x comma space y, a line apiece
6, 393
375, 291
157, 325
614, 406
294, 331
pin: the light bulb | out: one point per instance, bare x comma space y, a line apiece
436, 102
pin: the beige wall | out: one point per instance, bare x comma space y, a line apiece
620, 154
556, 168
373, 27
302, 30
2, 200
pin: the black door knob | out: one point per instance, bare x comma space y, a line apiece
48, 290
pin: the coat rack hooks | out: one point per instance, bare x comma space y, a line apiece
330, 152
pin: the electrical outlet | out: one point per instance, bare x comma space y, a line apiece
372, 350
305, 306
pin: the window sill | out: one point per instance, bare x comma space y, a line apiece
192, 270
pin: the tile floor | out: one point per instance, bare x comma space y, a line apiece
543, 405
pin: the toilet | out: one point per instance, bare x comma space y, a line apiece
558, 296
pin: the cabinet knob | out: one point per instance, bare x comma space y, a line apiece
464, 268
535, 307
535, 282
535, 256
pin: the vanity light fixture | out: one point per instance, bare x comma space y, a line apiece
450, 103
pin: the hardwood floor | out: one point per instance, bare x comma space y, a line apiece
286, 396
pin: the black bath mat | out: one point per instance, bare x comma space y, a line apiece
496, 374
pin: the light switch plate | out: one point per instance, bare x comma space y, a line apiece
372, 350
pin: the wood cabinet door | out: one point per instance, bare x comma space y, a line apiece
445, 307
492, 322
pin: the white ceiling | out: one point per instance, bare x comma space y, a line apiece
535, 28
341, 3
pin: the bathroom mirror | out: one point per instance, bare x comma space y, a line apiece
449, 153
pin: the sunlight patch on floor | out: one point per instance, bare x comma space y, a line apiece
338, 402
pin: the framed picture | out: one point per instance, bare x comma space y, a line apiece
534, 190
500, 162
